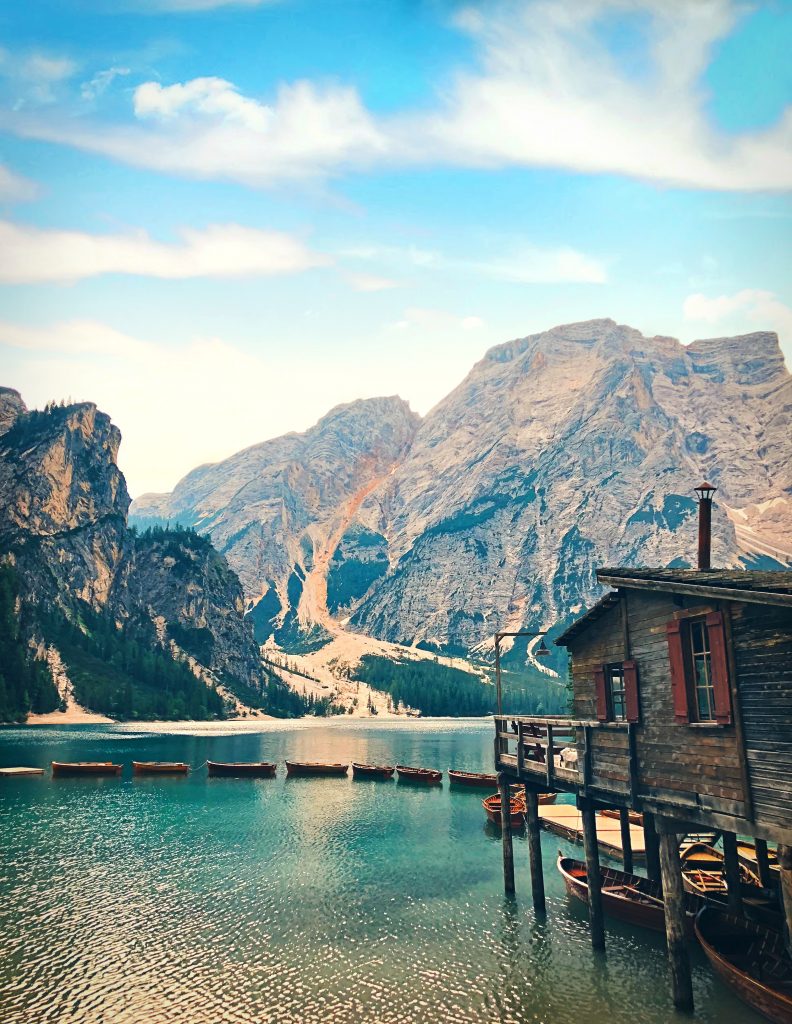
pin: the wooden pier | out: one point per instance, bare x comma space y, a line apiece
566, 820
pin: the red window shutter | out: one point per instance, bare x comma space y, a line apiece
631, 706
602, 699
676, 658
720, 668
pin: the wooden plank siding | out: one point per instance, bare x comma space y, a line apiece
691, 766
762, 646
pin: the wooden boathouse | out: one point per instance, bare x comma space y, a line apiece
682, 690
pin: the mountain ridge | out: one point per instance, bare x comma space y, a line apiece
557, 452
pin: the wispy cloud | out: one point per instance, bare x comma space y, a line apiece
436, 320
518, 263
29, 254
14, 188
549, 91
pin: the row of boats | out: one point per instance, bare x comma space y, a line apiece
268, 769
748, 953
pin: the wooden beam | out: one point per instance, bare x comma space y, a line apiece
506, 834
731, 868
626, 841
535, 849
674, 912
785, 862
726, 593
594, 878
550, 764
652, 847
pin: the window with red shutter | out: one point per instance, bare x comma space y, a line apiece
602, 699
631, 702
676, 658
719, 667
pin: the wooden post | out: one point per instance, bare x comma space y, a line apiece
731, 868
626, 839
763, 863
506, 834
535, 849
674, 904
651, 847
785, 863
593, 874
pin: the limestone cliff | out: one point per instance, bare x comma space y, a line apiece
559, 452
84, 577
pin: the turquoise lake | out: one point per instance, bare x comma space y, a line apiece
216, 901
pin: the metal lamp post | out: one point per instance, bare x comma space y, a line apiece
705, 492
542, 652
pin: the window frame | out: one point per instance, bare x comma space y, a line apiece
719, 671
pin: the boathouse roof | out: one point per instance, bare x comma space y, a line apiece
749, 585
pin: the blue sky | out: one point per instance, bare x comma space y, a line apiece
219, 219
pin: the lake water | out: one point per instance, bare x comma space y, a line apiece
216, 901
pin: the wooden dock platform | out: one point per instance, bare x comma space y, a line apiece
566, 820
21, 771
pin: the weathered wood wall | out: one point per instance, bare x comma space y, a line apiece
762, 644
690, 766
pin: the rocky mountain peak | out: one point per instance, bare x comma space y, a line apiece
11, 408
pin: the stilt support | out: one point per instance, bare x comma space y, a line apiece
535, 849
652, 848
674, 902
593, 874
785, 863
731, 868
506, 834
763, 864
626, 839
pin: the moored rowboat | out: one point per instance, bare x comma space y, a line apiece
372, 771
85, 768
160, 767
634, 817
751, 960
427, 775
315, 768
702, 871
472, 778
630, 898
258, 769
748, 858
492, 805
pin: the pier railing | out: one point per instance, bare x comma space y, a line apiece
568, 754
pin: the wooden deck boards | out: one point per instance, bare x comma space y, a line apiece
21, 771
565, 820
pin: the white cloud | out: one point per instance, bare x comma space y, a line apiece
520, 264
551, 94
368, 282
36, 76
29, 254
14, 188
548, 91
436, 320
101, 82
747, 310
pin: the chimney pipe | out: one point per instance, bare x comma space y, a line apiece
705, 492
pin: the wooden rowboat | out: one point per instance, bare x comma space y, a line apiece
751, 960
372, 771
492, 806
702, 871
160, 767
85, 768
634, 817
246, 769
315, 768
747, 854
630, 898
472, 778
425, 775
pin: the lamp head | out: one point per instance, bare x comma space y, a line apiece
705, 491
